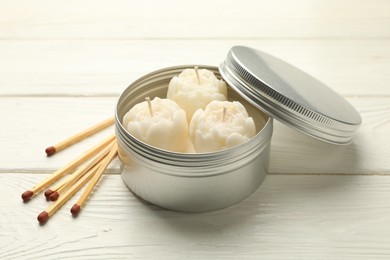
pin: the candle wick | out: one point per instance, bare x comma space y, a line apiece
224, 114
150, 106
197, 74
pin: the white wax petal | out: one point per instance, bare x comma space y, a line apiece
211, 131
186, 91
166, 129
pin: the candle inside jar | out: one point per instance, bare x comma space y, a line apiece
160, 123
195, 88
221, 125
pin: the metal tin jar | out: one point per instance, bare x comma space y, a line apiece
190, 182
210, 181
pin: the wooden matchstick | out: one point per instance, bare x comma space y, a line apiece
53, 189
106, 161
77, 174
78, 137
27, 195
44, 216
61, 187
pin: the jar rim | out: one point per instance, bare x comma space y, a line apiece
208, 159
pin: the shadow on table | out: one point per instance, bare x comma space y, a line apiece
280, 197
295, 153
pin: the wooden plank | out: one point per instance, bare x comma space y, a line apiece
289, 217
105, 19
106, 67
293, 152
32, 124
64, 63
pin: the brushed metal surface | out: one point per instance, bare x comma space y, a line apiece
190, 182
290, 95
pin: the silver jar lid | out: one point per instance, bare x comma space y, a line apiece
290, 95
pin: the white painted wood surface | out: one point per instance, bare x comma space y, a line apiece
57, 67
289, 217
64, 63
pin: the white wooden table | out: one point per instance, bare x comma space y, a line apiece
64, 63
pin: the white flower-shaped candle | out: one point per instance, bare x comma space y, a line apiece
194, 89
160, 123
221, 125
